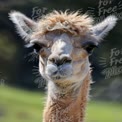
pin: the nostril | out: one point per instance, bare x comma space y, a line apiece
54, 73
66, 60
61, 61
52, 60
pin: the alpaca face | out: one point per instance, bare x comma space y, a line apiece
64, 57
63, 42
61, 55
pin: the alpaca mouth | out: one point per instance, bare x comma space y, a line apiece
59, 73
57, 78
60, 77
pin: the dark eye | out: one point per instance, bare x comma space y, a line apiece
37, 47
89, 46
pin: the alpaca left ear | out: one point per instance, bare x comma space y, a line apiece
100, 30
24, 25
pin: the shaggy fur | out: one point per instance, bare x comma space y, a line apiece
72, 22
64, 37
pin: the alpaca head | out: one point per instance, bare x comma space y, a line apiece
63, 42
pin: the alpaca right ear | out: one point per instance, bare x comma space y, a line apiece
101, 29
24, 25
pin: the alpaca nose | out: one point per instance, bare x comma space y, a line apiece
60, 61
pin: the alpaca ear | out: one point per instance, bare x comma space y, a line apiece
100, 30
24, 25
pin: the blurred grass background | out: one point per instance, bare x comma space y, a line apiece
25, 106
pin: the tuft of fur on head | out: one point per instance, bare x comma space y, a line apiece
72, 22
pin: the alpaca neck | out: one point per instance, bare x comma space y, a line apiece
67, 104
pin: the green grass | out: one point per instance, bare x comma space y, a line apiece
24, 106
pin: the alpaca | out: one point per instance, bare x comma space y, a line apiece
64, 41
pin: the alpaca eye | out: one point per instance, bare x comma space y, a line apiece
38, 47
89, 46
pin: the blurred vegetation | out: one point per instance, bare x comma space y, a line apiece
15, 66
23, 106
20, 106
